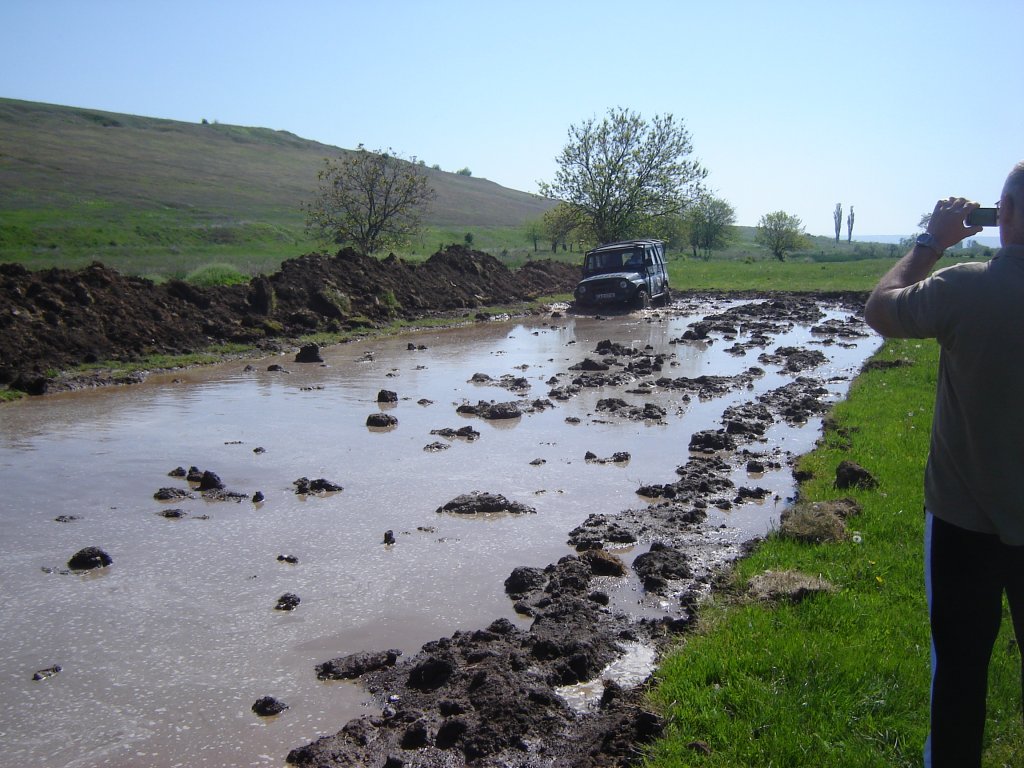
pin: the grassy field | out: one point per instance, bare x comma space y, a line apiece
163, 197
838, 679
773, 275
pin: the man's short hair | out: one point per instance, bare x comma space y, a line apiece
1014, 186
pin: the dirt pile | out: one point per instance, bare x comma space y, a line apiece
58, 318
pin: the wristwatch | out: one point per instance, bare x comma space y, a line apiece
927, 240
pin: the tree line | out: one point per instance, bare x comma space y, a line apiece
617, 178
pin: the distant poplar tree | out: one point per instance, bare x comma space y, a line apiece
849, 226
837, 217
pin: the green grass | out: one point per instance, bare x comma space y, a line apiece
117, 368
839, 679
773, 275
217, 274
145, 242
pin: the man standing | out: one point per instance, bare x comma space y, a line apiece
974, 480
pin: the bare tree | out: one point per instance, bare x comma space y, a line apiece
370, 200
837, 217
849, 226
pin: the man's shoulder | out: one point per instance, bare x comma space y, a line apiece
966, 271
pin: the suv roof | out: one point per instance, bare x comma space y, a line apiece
624, 243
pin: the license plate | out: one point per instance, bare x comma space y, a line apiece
606, 296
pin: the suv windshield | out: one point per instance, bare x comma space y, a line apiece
630, 259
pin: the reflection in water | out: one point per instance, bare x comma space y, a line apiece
164, 652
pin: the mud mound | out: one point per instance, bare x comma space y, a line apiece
59, 318
493, 697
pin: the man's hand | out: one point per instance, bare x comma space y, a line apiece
947, 222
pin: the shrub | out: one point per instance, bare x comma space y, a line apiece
216, 274
389, 301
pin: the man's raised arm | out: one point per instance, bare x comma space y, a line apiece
945, 228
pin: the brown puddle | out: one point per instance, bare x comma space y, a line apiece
164, 652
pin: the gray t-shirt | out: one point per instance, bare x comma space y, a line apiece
975, 473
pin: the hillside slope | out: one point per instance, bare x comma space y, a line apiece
66, 167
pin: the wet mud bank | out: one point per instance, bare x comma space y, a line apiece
503, 695
56, 319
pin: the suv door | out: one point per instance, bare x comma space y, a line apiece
649, 270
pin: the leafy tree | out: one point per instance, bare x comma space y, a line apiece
623, 172
534, 231
674, 230
780, 233
708, 223
849, 226
468, 239
558, 223
464, 172
837, 217
370, 200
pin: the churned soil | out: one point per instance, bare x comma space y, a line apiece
56, 319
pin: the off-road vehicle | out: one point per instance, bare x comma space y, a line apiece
630, 273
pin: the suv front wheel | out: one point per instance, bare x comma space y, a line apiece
643, 299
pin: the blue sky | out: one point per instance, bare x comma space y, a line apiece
792, 106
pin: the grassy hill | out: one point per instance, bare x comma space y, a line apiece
163, 196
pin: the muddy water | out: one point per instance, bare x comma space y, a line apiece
164, 652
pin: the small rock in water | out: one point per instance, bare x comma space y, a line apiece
268, 706
389, 537
210, 482
292, 559
170, 494
381, 420
89, 558
287, 602
257, 497
42, 674
304, 485
309, 353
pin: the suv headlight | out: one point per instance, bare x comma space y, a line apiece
581, 290
623, 284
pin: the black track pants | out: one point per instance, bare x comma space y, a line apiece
966, 574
